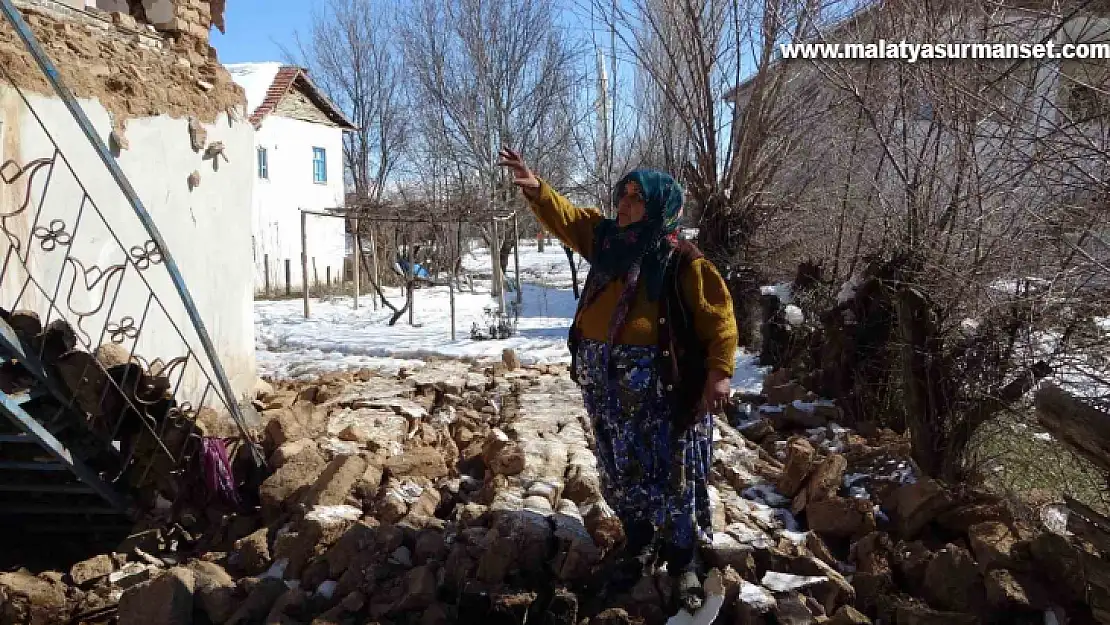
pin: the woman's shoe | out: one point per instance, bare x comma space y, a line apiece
689, 592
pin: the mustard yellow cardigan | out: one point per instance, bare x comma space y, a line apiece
705, 290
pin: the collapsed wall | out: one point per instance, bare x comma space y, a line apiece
142, 58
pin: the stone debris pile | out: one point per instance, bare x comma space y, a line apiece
469, 494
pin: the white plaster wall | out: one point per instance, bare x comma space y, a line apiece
290, 188
207, 230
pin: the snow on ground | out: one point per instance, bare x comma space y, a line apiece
336, 337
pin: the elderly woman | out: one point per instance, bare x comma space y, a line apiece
653, 348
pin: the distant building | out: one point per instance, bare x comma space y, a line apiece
298, 165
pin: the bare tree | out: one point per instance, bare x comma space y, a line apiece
694, 53
354, 58
486, 74
968, 199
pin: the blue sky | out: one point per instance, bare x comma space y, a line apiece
256, 29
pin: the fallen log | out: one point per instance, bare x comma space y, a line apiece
1079, 425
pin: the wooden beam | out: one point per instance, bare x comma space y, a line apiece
1078, 424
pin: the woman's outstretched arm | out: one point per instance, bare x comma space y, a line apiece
573, 225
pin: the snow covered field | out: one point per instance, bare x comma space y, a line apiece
337, 337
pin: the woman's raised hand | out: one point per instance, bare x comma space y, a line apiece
522, 175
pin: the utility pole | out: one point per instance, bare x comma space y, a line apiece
604, 152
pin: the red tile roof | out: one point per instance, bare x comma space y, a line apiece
288, 76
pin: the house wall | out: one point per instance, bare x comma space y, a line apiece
290, 188
207, 229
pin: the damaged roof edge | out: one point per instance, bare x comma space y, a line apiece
284, 80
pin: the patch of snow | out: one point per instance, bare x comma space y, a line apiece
849, 288
783, 290
1055, 518
255, 79
798, 538
1043, 436
766, 494
794, 315
327, 588
277, 569
756, 597
333, 514
786, 517
785, 582
770, 409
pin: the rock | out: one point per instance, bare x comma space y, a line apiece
166, 599
510, 359
824, 483
290, 450
336, 481
841, 518
426, 462
436, 614
291, 482
92, 569
583, 486
252, 553
301, 420
612, 616
562, 610
992, 543
917, 614
259, 602
498, 559
727, 551
502, 456
420, 590
799, 462
215, 590
355, 434
26, 599
961, 518
791, 609
511, 608
953, 582
1008, 591
847, 615
913, 506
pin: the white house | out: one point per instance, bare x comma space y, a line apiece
298, 166
72, 238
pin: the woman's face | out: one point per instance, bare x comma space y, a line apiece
631, 207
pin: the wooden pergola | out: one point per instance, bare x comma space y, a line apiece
380, 214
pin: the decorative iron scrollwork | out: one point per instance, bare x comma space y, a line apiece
146, 255
50, 237
125, 329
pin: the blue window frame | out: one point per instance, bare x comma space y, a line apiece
319, 165
263, 164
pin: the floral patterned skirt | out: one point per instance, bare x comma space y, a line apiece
649, 471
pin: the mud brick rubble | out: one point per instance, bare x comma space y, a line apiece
469, 494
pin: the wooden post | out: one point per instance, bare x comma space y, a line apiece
374, 263
498, 285
304, 260
411, 286
451, 288
315, 274
516, 260
288, 277
358, 259
327, 273
266, 268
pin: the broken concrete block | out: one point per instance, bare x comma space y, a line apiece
336, 482
167, 599
25, 598
92, 569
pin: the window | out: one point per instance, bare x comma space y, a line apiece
263, 164
319, 165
